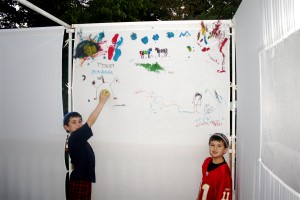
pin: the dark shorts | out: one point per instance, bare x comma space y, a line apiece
80, 190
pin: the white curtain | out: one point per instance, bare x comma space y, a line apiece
280, 150
280, 18
31, 132
278, 171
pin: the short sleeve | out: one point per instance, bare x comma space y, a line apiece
82, 134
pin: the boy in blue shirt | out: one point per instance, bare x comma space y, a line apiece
81, 153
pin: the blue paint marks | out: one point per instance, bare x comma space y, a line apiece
102, 71
205, 41
145, 40
98, 37
101, 36
120, 42
155, 37
184, 34
133, 36
117, 54
117, 50
170, 34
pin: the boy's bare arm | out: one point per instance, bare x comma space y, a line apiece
103, 96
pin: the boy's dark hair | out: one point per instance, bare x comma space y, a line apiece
70, 115
219, 137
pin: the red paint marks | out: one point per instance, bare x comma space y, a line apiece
221, 50
110, 52
216, 31
114, 39
111, 48
210, 36
204, 49
222, 45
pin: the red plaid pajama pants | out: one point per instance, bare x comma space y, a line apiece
80, 190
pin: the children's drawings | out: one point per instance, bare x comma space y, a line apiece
212, 36
155, 102
212, 112
100, 84
206, 109
179, 72
91, 47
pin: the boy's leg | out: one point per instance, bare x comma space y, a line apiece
80, 190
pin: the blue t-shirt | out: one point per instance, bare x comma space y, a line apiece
82, 155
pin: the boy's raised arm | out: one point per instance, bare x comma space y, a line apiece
103, 96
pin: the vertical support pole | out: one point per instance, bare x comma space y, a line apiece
233, 110
70, 70
70, 78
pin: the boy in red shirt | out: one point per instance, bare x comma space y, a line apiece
216, 181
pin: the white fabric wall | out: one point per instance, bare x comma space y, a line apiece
280, 110
31, 133
248, 44
260, 24
150, 141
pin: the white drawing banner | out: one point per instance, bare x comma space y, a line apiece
170, 87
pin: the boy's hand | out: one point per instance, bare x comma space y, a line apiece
104, 95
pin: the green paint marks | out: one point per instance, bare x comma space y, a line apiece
86, 49
151, 67
89, 50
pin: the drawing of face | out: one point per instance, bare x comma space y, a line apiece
86, 49
89, 50
197, 98
98, 82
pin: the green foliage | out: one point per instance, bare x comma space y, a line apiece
174, 10
14, 14
98, 11
220, 9
11, 16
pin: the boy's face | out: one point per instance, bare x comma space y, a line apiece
74, 124
217, 149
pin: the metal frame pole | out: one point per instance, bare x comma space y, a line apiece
44, 13
233, 110
70, 70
